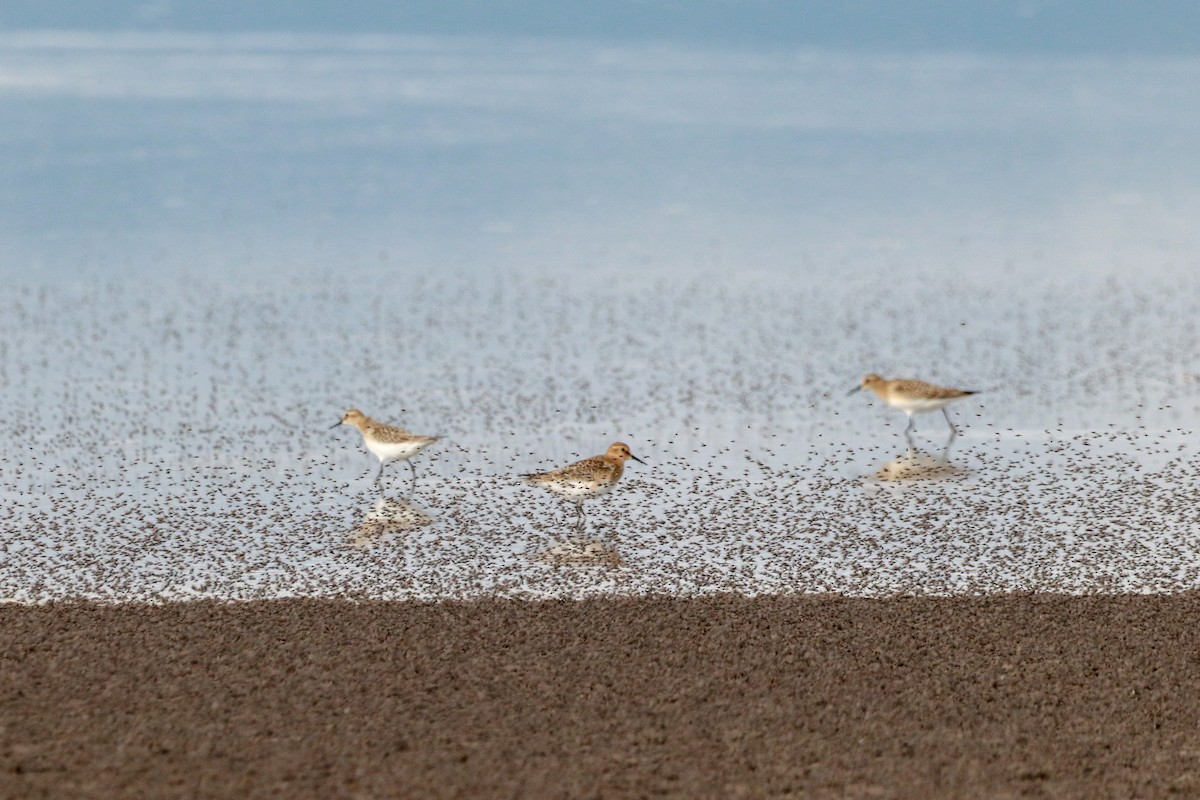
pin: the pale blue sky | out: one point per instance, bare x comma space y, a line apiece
1068, 26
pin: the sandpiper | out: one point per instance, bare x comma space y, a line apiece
583, 480
387, 442
913, 397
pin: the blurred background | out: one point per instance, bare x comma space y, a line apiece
1048, 26
538, 227
623, 138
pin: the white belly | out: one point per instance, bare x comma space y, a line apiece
578, 491
920, 406
395, 451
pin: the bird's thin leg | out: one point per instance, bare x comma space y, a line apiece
379, 474
413, 489
953, 433
953, 430
908, 432
580, 523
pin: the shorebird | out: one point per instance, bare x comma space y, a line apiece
913, 397
583, 480
387, 442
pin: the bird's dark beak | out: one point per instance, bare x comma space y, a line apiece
635, 458
334, 425
855, 389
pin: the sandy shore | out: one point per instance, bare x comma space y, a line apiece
716, 697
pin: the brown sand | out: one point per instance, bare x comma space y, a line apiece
1035, 696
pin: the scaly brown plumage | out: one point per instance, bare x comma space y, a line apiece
583, 480
913, 397
388, 442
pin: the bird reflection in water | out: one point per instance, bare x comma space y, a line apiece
581, 551
916, 465
389, 517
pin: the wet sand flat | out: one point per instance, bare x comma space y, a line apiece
723, 696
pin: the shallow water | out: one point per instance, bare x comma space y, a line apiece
217, 244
